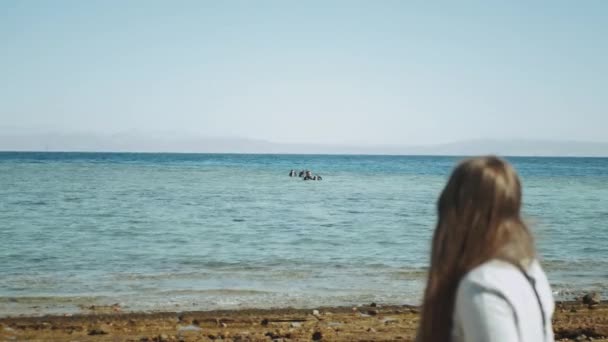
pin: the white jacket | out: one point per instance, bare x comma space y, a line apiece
496, 303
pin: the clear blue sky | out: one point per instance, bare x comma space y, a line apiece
365, 72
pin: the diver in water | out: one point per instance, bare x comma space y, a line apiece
301, 174
292, 173
318, 177
308, 176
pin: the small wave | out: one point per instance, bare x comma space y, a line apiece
160, 276
572, 291
561, 265
221, 265
136, 221
409, 275
215, 292
72, 199
30, 203
389, 243
33, 300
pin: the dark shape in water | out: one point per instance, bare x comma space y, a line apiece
309, 176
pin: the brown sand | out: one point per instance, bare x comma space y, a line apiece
369, 323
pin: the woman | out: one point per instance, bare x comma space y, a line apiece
484, 283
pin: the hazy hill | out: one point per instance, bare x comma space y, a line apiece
132, 142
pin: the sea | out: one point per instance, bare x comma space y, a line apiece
156, 232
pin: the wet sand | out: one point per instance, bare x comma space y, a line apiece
364, 323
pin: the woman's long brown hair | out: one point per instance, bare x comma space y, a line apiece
479, 219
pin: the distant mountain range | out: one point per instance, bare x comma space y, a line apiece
128, 142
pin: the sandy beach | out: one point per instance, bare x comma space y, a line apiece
572, 321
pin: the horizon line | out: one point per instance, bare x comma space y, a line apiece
307, 154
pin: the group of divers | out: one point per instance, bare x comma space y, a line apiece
305, 175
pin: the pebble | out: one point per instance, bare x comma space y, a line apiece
224, 325
264, 322
273, 335
373, 305
315, 312
317, 336
372, 330
295, 324
189, 328
388, 321
592, 298
97, 331
372, 312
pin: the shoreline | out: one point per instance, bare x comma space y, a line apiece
370, 322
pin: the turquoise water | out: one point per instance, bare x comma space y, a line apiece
200, 231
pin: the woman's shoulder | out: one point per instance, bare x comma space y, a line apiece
507, 281
504, 282
500, 276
